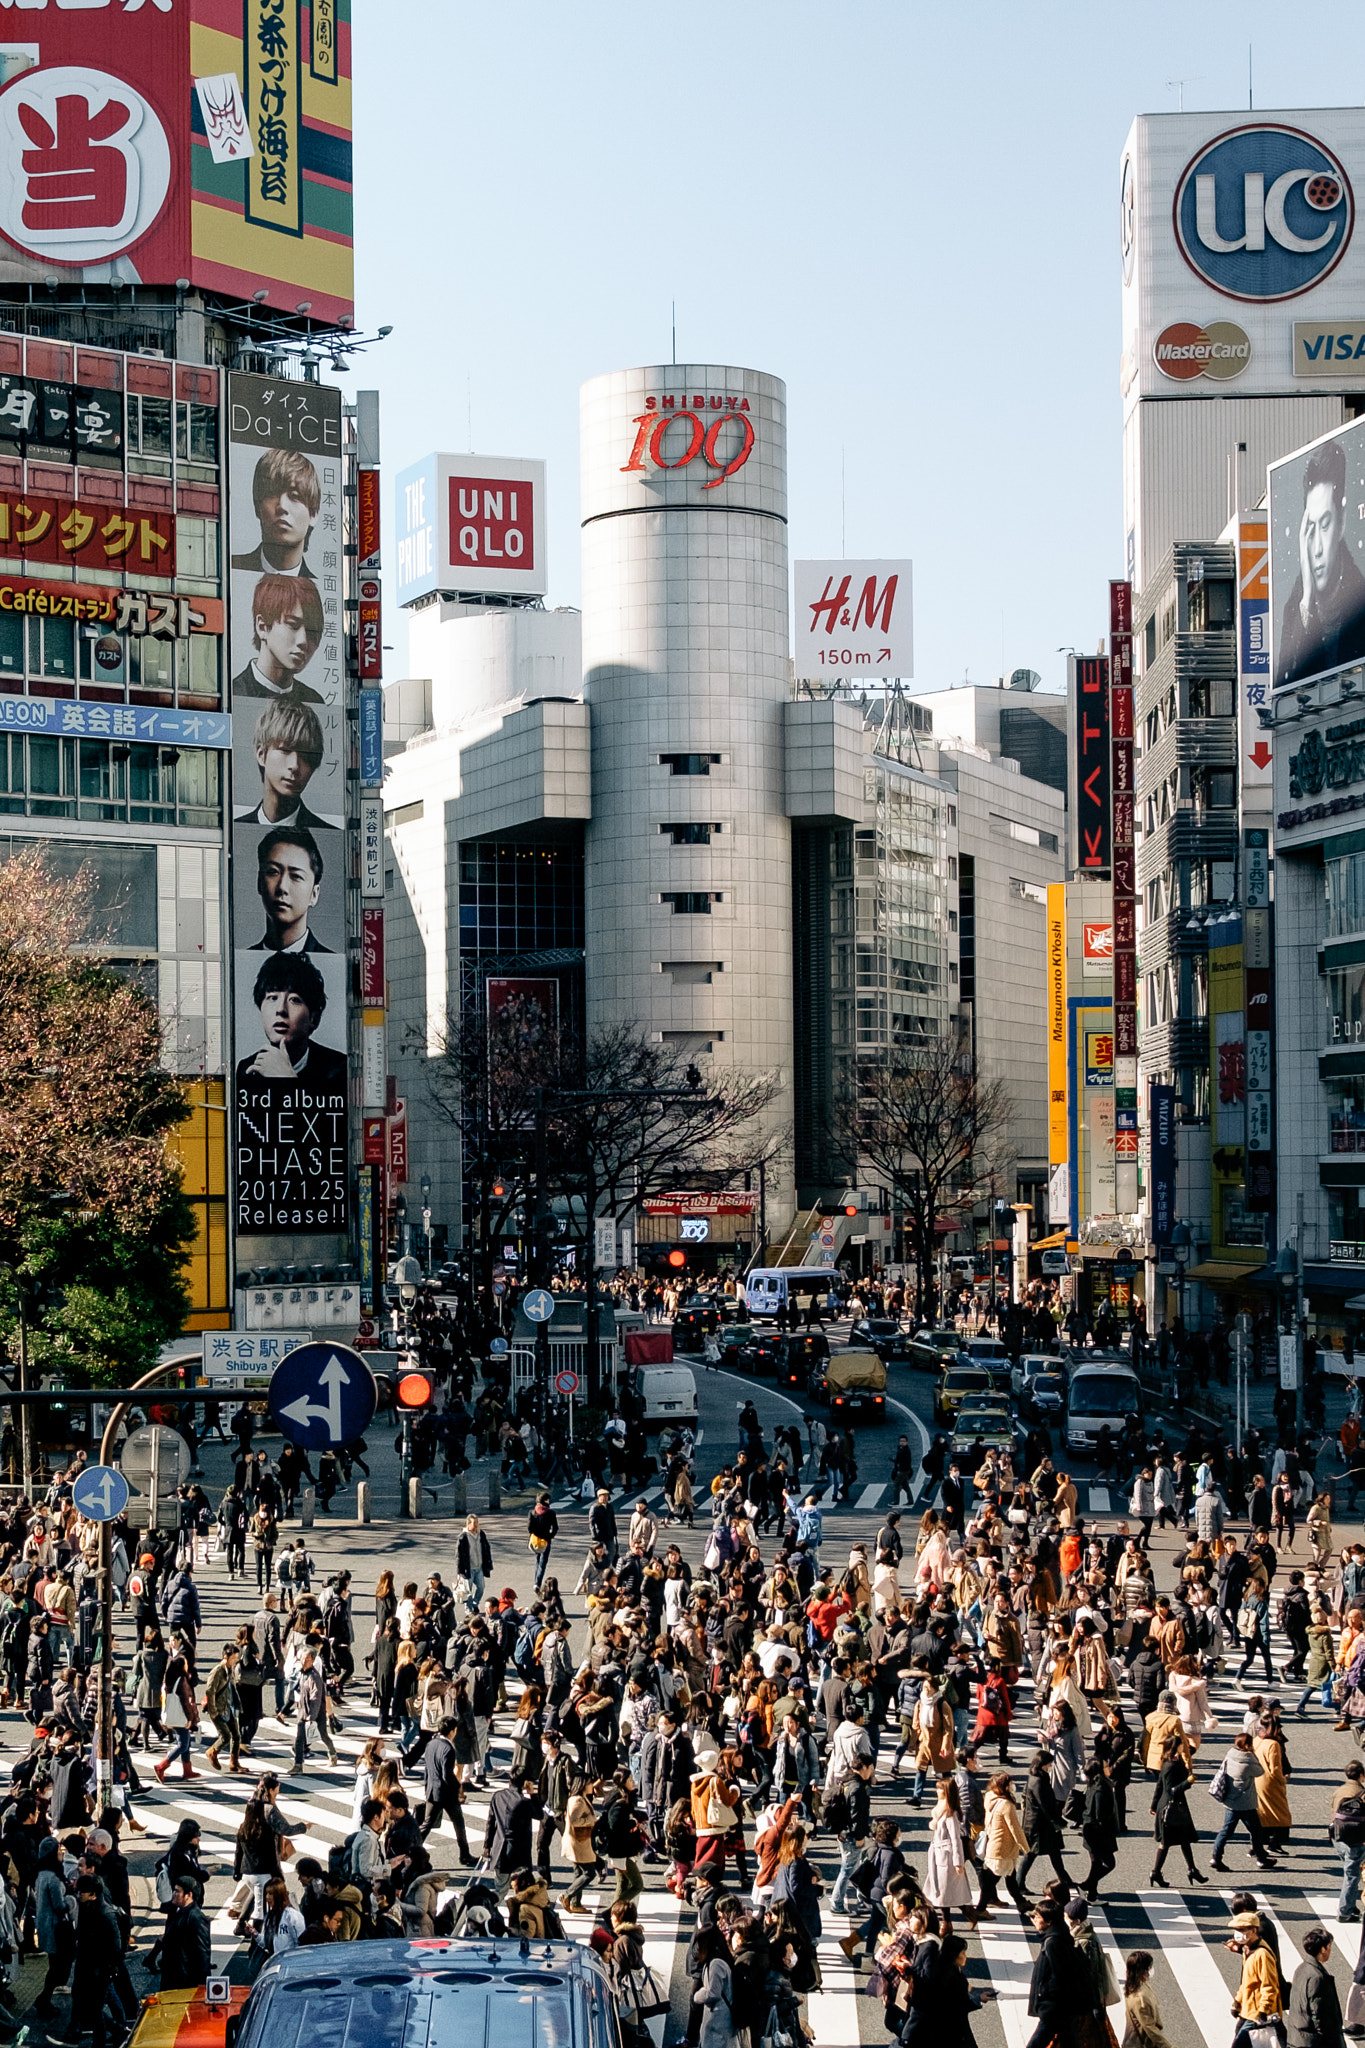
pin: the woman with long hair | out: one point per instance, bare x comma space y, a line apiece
181, 1716
1099, 1826
1173, 1822
249, 1679
255, 1864
386, 1600
282, 1926
149, 1670
405, 1710
945, 1876
383, 1663
1142, 2014
528, 1725
1004, 1842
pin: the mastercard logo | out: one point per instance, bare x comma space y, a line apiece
1219, 350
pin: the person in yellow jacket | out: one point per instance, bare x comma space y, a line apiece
1258, 1994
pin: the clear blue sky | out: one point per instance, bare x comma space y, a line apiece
908, 212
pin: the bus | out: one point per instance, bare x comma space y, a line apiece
768, 1288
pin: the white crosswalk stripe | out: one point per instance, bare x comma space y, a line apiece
1198, 1975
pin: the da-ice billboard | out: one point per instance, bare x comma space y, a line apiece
470, 523
1317, 556
853, 618
111, 164
289, 806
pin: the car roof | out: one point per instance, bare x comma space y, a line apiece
357, 1992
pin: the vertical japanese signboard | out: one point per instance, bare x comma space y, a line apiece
1227, 1095
1161, 1126
1255, 769
1124, 845
286, 628
1092, 765
1058, 1133
274, 216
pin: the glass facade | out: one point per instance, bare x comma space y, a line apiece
520, 899
108, 781
889, 966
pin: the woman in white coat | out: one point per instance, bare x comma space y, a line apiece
945, 1877
1192, 1700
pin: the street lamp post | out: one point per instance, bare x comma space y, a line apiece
426, 1219
1182, 1250
407, 1275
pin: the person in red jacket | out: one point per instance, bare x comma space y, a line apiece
993, 1711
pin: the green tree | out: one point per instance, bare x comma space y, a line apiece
94, 1226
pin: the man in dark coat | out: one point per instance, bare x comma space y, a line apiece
442, 1786
187, 1945
1057, 1993
1314, 2006
507, 1838
99, 1951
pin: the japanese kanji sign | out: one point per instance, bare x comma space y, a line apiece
158, 614
92, 535
62, 717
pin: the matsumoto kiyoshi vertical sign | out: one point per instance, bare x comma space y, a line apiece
291, 1089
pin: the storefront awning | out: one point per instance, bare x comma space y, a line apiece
1222, 1272
1049, 1244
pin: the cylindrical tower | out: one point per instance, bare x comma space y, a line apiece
685, 664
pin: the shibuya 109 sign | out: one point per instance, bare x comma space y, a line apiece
715, 429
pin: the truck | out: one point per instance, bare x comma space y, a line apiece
851, 1383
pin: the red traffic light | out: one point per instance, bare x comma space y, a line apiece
677, 1258
414, 1390
850, 1208
499, 1190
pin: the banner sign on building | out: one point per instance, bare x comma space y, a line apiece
1093, 776
729, 1202
371, 846
371, 738
367, 521
853, 618
1124, 836
143, 722
371, 631
372, 955
1161, 1101
291, 1091
156, 140
472, 524
1317, 531
1058, 1131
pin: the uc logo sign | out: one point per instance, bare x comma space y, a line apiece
1263, 213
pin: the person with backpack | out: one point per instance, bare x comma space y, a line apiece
1346, 1830
542, 1526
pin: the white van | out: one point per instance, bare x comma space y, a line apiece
768, 1288
669, 1393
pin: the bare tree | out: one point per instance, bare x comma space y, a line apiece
624, 1117
933, 1130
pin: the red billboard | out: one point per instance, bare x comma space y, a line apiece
372, 954
203, 139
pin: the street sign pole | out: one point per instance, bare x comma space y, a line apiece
104, 1584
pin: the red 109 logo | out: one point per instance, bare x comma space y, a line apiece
659, 448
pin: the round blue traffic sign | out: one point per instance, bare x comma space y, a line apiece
539, 1304
322, 1395
100, 1493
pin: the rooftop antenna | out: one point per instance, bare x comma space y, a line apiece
469, 410
675, 332
1251, 99
843, 507
1179, 84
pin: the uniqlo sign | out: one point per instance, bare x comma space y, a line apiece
492, 523
469, 524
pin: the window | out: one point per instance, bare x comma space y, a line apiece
149, 435
952, 920
1345, 881
691, 973
690, 835
952, 814
689, 764
691, 902
108, 781
196, 433
952, 867
196, 548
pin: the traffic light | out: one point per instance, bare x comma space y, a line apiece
676, 1259
414, 1392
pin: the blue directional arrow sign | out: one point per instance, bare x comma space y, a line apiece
100, 1494
322, 1395
539, 1304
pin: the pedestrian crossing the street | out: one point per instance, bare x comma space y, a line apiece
1195, 1975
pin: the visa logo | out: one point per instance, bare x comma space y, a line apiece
1329, 351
